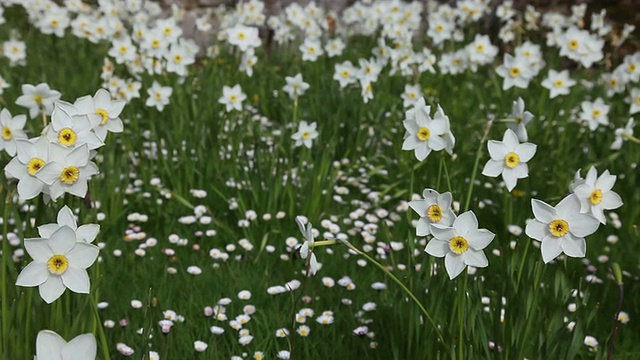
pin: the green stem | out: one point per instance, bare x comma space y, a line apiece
475, 165
539, 271
462, 289
5, 269
101, 334
403, 287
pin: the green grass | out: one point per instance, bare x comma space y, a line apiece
206, 147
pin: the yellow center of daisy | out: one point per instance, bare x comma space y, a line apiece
514, 72
155, 43
559, 228
458, 244
241, 36
558, 83
7, 133
70, 175
631, 68
306, 135
104, 114
57, 264
54, 23
512, 160
233, 98
439, 28
596, 113
595, 197
38, 99
67, 137
480, 48
34, 165
434, 213
123, 49
168, 31
423, 134
177, 58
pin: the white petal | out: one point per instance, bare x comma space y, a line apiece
76, 279
466, 223
611, 200
574, 247
480, 239
62, 240
51, 289
536, 230
543, 212
437, 248
551, 248
65, 217
34, 274
493, 168
83, 255
49, 345
476, 258
82, 347
582, 225
38, 249
454, 264
88, 232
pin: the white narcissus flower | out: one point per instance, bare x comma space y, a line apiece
561, 229
623, 134
72, 131
515, 71
435, 208
33, 154
509, 159
424, 134
84, 233
36, 98
295, 87
594, 113
461, 244
59, 262
306, 250
634, 100
51, 346
158, 96
11, 128
101, 107
306, 133
521, 117
595, 194
558, 83
232, 98
67, 171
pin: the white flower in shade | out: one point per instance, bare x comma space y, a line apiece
101, 107
232, 98
461, 244
158, 96
200, 346
623, 134
295, 87
244, 37
72, 131
334, 47
521, 117
59, 262
311, 49
634, 100
11, 127
590, 341
425, 134
561, 229
435, 208
67, 171
3, 85
306, 250
305, 135
509, 159
51, 346
32, 154
558, 83
411, 95
595, 194
84, 233
38, 98
594, 113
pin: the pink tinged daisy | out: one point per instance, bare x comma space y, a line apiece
509, 159
435, 208
67, 171
59, 262
558, 83
72, 130
521, 118
305, 135
595, 194
562, 228
32, 155
38, 98
11, 127
102, 108
50, 345
424, 134
84, 233
461, 244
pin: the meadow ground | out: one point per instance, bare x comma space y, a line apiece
396, 181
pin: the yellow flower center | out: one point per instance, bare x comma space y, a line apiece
596, 113
38, 99
434, 213
54, 23
306, 135
168, 31
155, 43
559, 228
439, 28
458, 244
512, 160
311, 50
57, 264
70, 175
241, 36
104, 114
596, 196
638, 100
123, 49
177, 58
558, 83
631, 68
7, 133
423, 134
514, 72
233, 98
480, 48
34, 165
67, 137
573, 44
